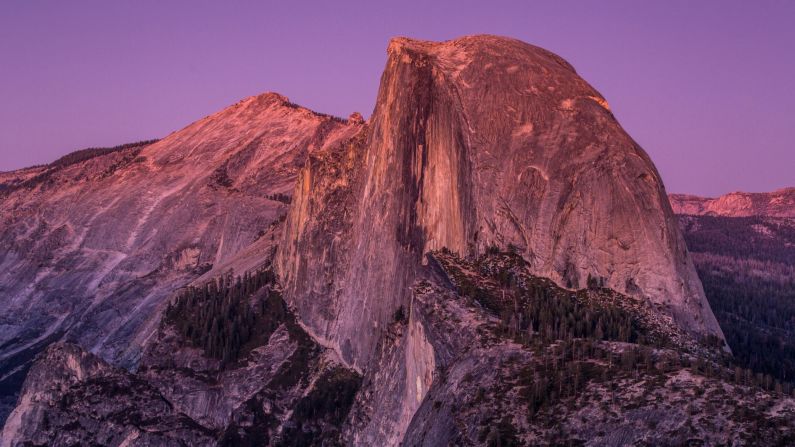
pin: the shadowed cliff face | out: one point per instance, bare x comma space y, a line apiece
477, 142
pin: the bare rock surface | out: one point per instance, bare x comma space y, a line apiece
476, 142
473, 372
72, 397
284, 389
91, 249
486, 261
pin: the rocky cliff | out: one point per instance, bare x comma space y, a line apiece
478, 142
490, 259
91, 249
72, 397
279, 387
780, 203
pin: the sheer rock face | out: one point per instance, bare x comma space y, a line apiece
779, 203
90, 250
477, 142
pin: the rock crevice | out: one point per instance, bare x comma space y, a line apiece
478, 142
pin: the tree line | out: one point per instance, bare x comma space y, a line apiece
747, 268
45, 177
533, 308
566, 330
91, 152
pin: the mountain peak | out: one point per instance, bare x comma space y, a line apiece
490, 239
266, 98
474, 143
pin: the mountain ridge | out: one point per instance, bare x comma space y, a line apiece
488, 260
93, 249
778, 203
437, 170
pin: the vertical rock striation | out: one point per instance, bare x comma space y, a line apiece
416, 249
478, 142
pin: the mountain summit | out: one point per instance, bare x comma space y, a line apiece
489, 260
482, 142
91, 250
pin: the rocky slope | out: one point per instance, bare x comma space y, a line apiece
486, 354
75, 398
489, 260
780, 203
91, 249
282, 389
477, 142
509, 370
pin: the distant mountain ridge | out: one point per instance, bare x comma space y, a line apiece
743, 247
779, 203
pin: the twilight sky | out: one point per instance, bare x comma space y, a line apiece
707, 88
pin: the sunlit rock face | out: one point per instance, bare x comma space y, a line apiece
780, 203
403, 247
476, 142
90, 250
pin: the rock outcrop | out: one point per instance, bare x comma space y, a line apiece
486, 256
780, 203
284, 390
72, 397
478, 142
91, 249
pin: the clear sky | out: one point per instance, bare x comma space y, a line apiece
706, 87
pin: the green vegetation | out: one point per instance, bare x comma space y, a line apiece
747, 267
741, 238
757, 316
279, 197
220, 177
338, 119
567, 331
500, 434
46, 177
228, 316
89, 153
400, 315
562, 370
535, 309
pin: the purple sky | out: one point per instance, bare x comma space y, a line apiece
707, 88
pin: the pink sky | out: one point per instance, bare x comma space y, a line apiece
707, 88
